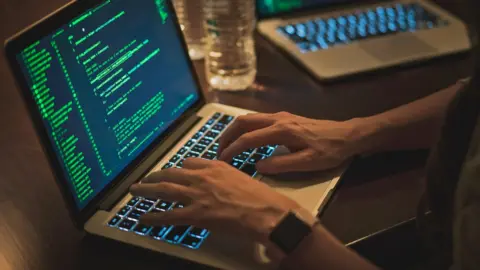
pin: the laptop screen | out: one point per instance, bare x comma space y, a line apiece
107, 84
268, 8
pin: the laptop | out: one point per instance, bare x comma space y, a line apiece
113, 96
333, 39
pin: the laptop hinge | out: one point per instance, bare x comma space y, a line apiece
148, 164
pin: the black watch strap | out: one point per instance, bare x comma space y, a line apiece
290, 232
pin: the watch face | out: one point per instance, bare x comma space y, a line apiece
290, 232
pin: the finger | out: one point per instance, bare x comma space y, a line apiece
172, 175
295, 162
242, 125
254, 139
179, 216
164, 190
196, 163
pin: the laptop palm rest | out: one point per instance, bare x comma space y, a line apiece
398, 47
308, 189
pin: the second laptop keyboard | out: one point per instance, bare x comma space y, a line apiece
204, 144
325, 33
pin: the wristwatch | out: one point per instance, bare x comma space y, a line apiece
287, 235
291, 230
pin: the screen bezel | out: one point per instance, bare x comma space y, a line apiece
305, 8
46, 27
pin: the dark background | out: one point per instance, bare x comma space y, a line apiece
381, 191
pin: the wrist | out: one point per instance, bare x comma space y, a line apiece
366, 135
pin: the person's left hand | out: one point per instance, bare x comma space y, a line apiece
217, 197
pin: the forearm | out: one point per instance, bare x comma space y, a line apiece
320, 250
413, 126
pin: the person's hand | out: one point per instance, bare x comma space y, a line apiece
314, 144
217, 197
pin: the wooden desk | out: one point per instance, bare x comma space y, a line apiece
35, 230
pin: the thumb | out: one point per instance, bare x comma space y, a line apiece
295, 162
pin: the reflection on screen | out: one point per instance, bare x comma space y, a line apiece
107, 85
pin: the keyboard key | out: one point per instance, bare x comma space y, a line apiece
210, 122
127, 224
174, 159
191, 242
124, 211
133, 201
199, 232
198, 148
176, 233
178, 205
237, 164
242, 157
212, 134
142, 229
197, 136
135, 214
159, 232
144, 206
216, 115
190, 143
167, 166
205, 141
226, 119
163, 205
182, 151
249, 169
203, 129
219, 127
255, 158
180, 163
152, 200
209, 155
114, 221
213, 148
191, 155
267, 151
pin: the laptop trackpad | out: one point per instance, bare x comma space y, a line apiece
398, 47
305, 188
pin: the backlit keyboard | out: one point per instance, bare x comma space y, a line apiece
203, 144
324, 33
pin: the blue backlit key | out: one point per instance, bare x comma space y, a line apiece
226, 119
255, 158
191, 242
124, 211
174, 159
163, 205
127, 224
237, 164
176, 233
159, 232
198, 232
144, 206
142, 229
216, 115
205, 141
214, 148
114, 221
135, 214
209, 155
133, 201
167, 166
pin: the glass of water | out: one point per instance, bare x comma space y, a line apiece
230, 59
190, 17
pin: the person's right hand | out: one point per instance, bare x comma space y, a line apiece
314, 144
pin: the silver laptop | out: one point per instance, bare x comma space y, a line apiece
113, 96
338, 38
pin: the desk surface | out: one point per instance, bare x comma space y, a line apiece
36, 233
